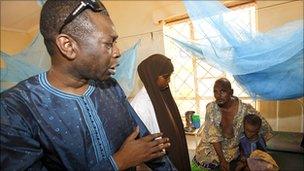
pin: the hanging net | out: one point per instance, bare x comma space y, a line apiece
268, 65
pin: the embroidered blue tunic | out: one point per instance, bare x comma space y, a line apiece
47, 129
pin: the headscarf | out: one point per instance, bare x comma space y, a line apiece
167, 113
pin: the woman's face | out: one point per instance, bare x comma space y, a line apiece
163, 81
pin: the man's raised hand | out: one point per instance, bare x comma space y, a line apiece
135, 151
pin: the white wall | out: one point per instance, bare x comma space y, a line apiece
137, 20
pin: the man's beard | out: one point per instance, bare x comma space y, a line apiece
220, 103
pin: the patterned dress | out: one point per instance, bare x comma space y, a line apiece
205, 153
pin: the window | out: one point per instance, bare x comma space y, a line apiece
193, 79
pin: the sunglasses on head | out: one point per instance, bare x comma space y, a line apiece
94, 5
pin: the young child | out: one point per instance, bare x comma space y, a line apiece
251, 140
253, 146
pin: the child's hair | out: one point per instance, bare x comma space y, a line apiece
253, 119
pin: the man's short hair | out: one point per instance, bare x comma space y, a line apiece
52, 17
253, 119
224, 82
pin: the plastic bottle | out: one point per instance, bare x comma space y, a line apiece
196, 121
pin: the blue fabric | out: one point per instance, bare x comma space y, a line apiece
283, 81
41, 2
14, 69
247, 146
125, 72
35, 59
45, 128
269, 65
31, 61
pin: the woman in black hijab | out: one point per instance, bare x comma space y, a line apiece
155, 72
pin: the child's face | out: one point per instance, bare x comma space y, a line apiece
251, 131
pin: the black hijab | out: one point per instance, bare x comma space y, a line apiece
167, 113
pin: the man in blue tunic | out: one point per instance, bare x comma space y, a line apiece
75, 116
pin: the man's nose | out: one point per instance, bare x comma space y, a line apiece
168, 80
116, 52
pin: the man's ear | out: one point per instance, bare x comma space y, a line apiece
67, 46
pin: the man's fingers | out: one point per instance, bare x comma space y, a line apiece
159, 141
160, 147
157, 154
134, 134
151, 137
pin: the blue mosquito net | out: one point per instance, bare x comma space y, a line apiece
268, 65
31, 61
35, 59
125, 72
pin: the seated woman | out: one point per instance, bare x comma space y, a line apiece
219, 145
157, 109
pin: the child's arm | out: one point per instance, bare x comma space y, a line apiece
261, 144
242, 156
241, 164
